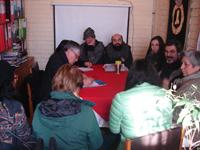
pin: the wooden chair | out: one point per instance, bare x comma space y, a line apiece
165, 140
33, 83
30, 103
29, 92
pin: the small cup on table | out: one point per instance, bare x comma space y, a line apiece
118, 65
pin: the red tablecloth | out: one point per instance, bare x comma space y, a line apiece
104, 95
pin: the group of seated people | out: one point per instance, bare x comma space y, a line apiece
142, 108
91, 52
94, 52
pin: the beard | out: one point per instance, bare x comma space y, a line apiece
170, 60
117, 47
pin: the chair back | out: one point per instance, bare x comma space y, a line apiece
33, 83
170, 139
52, 144
39, 144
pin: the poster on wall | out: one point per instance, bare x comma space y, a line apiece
177, 21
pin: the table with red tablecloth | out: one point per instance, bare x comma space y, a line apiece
103, 95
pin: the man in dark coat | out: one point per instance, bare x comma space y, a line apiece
92, 50
118, 50
172, 62
68, 53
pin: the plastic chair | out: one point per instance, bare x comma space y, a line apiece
170, 139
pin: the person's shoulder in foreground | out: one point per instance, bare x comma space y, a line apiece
15, 132
73, 122
143, 107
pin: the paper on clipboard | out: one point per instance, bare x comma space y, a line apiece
96, 83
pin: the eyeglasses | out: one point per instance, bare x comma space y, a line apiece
76, 53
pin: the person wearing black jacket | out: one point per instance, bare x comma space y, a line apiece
118, 50
172, 62
155, 54
92, 50
68, 53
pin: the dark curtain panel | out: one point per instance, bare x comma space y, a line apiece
177, 21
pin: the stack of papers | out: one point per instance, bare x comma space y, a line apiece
85, 69
112, 68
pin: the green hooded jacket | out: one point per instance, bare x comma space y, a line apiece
69, 120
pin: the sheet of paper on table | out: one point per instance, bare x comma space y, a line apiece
85, 69
111, 68
96, 83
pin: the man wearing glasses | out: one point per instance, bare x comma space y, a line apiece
68, 53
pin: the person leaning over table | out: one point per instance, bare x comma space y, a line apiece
15, 132
118, 50
68, 52
65, 116
92, 50
143, 107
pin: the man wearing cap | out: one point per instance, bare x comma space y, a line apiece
92, 50
118, 50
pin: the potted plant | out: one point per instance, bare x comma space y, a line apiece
187, 111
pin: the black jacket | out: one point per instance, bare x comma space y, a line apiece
124, 54
168, 69
92, 54
56, 60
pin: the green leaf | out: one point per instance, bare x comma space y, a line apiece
181, 103
187, 121
197, 124
184, 112
195, 114
199, 116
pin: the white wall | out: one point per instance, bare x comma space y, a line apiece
105, 20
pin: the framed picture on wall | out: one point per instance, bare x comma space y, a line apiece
178, 11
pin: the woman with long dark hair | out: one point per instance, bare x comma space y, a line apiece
155, 53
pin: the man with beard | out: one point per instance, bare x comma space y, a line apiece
118, 50
172, 63
92, 50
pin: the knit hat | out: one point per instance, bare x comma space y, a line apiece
89, 32
7, 72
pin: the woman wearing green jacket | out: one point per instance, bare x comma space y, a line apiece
143, 107
66, 117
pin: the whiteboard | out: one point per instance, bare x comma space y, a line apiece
70, 21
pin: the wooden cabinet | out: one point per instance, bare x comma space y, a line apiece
23, 70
